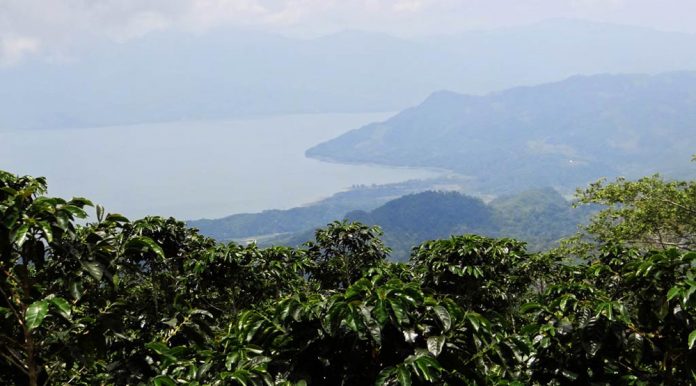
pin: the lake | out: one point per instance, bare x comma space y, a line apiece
193, 170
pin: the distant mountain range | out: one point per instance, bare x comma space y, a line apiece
563, 134
168, 76
274, 223
541, 217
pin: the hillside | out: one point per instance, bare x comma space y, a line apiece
275, 222
539, 217
561, 134
412, 219
226, 73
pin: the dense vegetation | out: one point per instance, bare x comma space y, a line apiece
113, 301
539, 217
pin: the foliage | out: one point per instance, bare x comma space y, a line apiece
343, 251
647, 213
541, 217
113, 301
479, 273
37, 316
624, 318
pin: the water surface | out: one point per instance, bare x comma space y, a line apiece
193, 170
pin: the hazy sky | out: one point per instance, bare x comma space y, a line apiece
52, 28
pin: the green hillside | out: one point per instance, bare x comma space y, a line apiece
539, 217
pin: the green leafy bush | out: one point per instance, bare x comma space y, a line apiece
106, 300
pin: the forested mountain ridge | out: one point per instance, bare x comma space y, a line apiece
563, 134
270, 222
540, 217
412, 219
429, 212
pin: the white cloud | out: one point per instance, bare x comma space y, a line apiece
202, 14
13, 49
60, 24
53, 27
139, 24
598, 4
409, 5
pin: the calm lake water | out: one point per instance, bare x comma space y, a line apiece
195, 169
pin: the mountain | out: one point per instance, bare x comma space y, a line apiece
540, 217
227, 73
408, 216
561, 134
412, 219
278, 224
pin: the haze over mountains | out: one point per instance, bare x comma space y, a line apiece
539, 217
562, 134
226, 73
508, 123
273, 222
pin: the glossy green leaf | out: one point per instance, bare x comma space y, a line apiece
403, 375
530, 307
435, 344
20, 235
62, 306
428, 367
444, 316
474, 320
163, 380
381, 313
145, 243
384, 376
115, 217
94, 269
399, 311
36, 313
162, 350
74, 211
46, 230
81, 201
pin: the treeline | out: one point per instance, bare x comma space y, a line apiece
113, 301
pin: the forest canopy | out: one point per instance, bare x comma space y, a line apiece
106, 300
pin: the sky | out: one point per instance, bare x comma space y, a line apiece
54, 28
